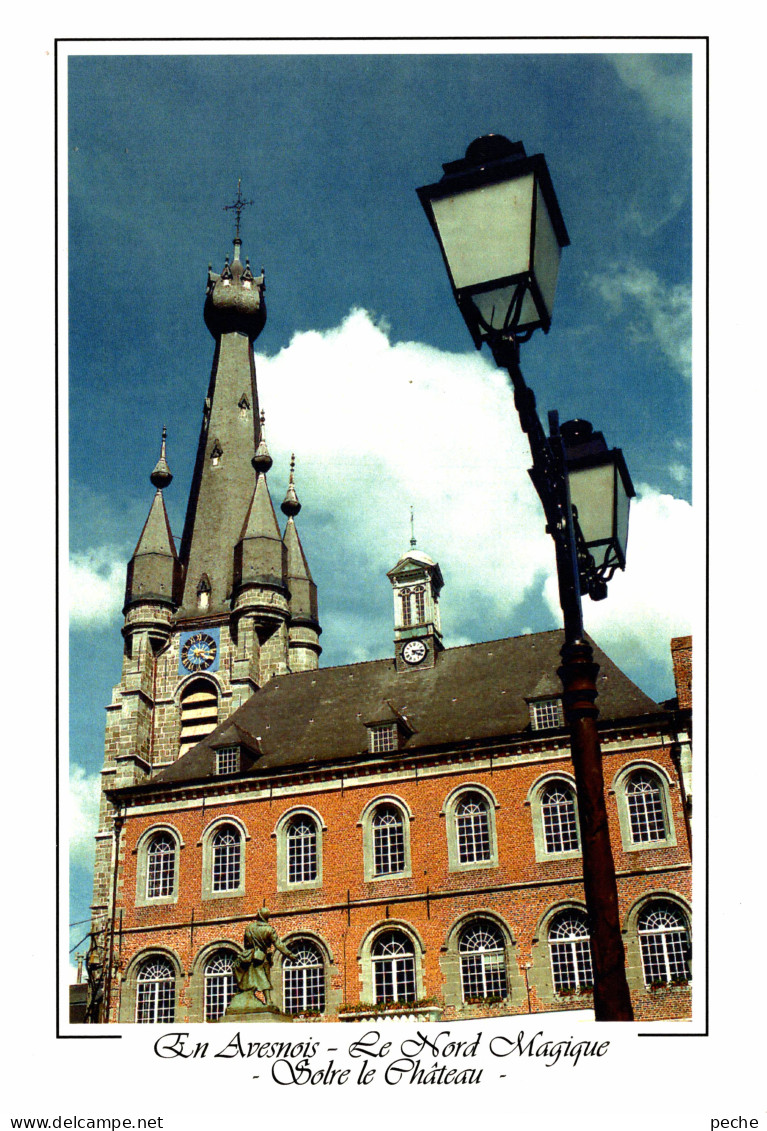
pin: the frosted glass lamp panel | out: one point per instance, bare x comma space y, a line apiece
494, 305
622, 503
547, 252
592, 492
485, 231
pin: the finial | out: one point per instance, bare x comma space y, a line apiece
237, 206
262, 461
161, 476
412, 529
290, 504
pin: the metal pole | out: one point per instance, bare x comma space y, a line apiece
612, 1000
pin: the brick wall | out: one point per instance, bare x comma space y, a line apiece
429, 903
681, 655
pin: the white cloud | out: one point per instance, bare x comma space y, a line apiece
663, 311
96, 586
664, 86
381, 426
83, 815
655, 598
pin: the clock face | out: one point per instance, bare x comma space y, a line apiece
414, 651
198, 652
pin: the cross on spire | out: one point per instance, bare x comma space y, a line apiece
237, 207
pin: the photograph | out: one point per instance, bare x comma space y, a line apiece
383, 552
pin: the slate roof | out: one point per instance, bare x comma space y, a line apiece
473, 693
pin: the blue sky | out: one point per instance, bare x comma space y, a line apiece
365, 366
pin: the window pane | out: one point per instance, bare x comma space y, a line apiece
302, 850
570, 948
388, 841
559, 823
155, 992
665, 944
161, 866
220, 985
303, 979
472, 829
645, 803
483, 962
226, 859
394, 967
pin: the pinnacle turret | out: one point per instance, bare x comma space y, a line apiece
290, 504
161, 476
262, 461
153, 571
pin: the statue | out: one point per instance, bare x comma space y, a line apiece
253, 968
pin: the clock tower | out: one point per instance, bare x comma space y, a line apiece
416, 582
210, 621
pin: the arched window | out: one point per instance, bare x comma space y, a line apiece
483, 960
227, 853
303, 978
302, 850
220, 984
393, 959
155, 992
388, 841
472, 826
646, 809
160, 866
570, 949
199, 712
560, 823
413, 598
665, 943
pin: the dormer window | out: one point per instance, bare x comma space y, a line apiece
228, 760
383, 739
216, 454
546, 714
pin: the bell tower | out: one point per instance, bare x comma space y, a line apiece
416, 583
210, 622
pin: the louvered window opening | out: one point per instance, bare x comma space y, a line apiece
199, 715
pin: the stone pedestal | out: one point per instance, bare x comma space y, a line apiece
246, 1009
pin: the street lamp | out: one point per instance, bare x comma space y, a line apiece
501, 233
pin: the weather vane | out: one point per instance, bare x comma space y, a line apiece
412, 528
238, 206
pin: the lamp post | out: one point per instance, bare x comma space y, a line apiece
500, 230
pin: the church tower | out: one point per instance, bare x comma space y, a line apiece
208, 623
